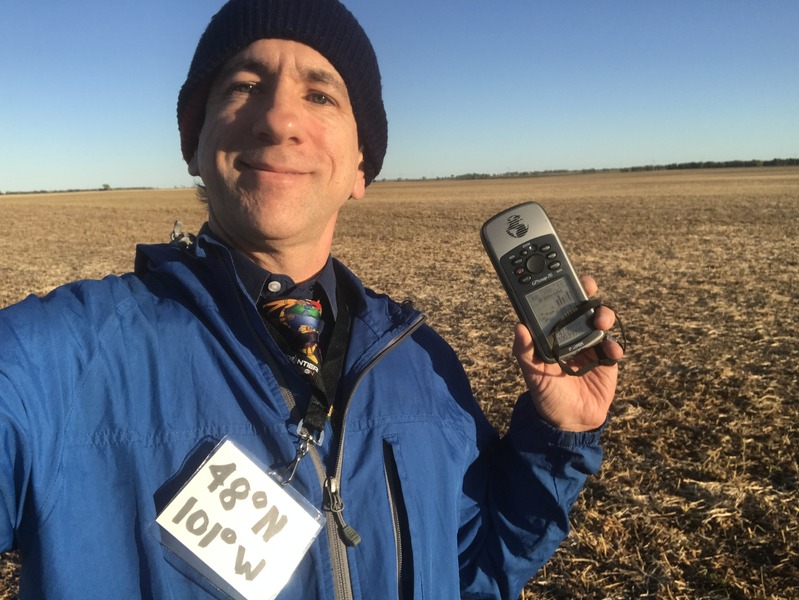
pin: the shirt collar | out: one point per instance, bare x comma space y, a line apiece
260, 283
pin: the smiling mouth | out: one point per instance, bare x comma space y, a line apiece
270, 168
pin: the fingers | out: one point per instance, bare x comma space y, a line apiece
604, 318
589, 285
522, 343
612, 349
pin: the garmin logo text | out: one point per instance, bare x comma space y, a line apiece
574, 347
516, 228
547, 277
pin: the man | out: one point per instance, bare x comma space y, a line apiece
113, 393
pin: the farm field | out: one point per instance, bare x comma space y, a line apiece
698, 496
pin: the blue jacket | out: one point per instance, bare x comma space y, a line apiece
111, 392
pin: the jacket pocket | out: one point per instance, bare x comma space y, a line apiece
399, 514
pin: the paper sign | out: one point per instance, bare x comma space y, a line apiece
247, 529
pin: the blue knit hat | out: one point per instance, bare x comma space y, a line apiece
324, 25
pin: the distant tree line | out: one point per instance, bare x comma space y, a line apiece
729, 164
104, 188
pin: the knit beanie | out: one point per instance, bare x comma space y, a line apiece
324, 25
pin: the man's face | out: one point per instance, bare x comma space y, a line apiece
278, 150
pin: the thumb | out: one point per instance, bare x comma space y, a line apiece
523, 348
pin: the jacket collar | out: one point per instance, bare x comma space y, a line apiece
196, 270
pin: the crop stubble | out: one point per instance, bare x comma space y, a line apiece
698, 496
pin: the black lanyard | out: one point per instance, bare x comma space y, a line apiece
311, 428
324, 383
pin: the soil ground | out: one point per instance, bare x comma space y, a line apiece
698, 496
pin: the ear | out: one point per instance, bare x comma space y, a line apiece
194, 169
359, 187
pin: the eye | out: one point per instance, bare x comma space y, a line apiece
244, 87
320, 98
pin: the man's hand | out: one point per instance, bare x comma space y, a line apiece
566, 402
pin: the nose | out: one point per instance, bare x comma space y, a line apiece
278, 116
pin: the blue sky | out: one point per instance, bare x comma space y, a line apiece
88, 88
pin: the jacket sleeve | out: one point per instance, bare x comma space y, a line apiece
14, 467
517, 498
15, 384
38, 365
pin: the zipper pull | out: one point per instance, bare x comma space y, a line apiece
334, 504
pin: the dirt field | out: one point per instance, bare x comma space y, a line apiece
699, 493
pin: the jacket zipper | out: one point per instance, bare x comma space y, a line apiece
338, 551
340, 535
399, 520
338, 558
